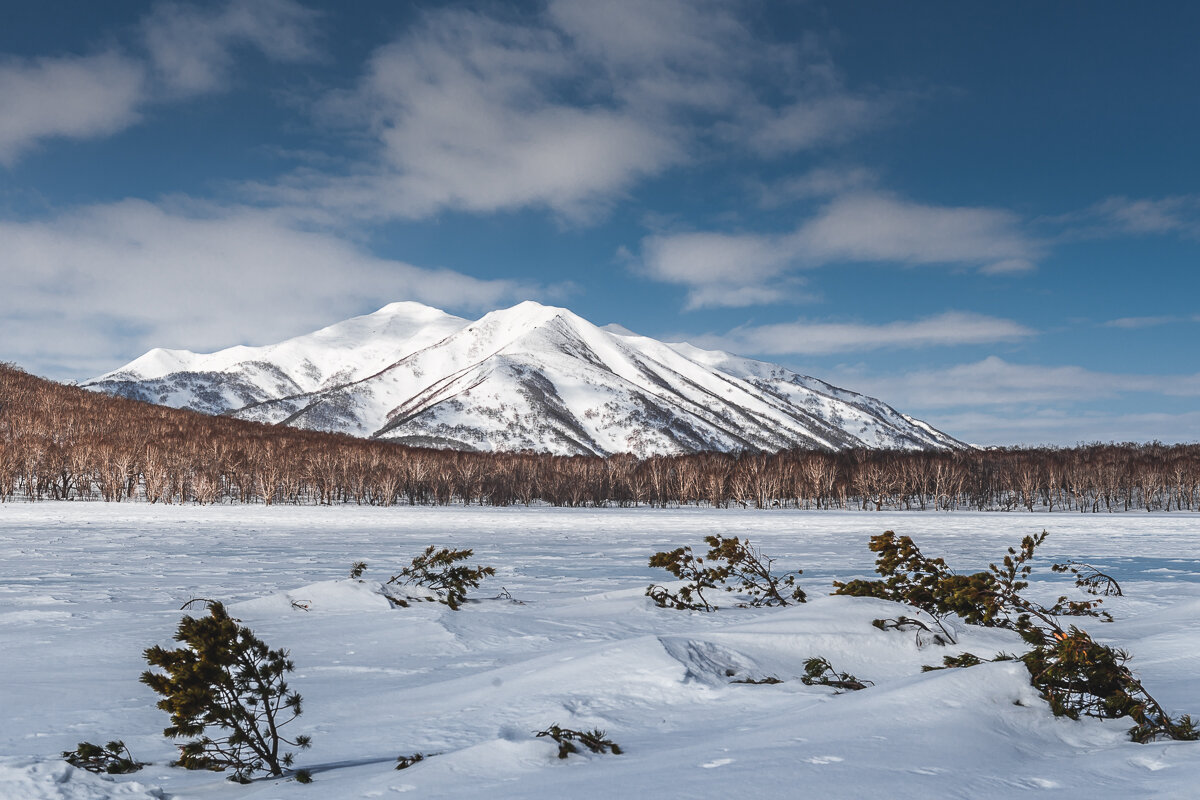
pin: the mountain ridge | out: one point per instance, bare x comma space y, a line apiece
529, 377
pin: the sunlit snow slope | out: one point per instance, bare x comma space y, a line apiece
527, 377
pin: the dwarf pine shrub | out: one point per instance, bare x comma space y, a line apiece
733, 565
819, 672
990, 598
1078, 676
226, 689
595, 740
404, 762
113, 758
440, 572
1075, 674
1090, 578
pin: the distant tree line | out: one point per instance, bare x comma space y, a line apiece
60, 442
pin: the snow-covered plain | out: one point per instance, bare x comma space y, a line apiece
84, 588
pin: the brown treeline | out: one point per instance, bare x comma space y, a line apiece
60, 442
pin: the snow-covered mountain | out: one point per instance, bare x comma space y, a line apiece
527, 377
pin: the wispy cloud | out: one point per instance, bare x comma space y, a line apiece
75, 97
93, 287
1064, 428
855, 227
569, 110
191, 47
816, 184
994, 401
997, 382
185, 49
1133, 323
1127, 216
822, 338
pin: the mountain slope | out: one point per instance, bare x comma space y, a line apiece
528, 377
216, 383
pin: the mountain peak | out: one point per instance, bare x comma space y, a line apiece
408, 308
531, 376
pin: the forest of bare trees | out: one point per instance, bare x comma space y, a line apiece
60, 442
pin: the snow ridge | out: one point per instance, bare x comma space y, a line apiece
530, 377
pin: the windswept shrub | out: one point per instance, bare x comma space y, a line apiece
685, 566
1075, 674
112, 759
991, 598
904, 623
731, 564
357, 569
1078, 676
594, 740
440, 572
819, 672
404, 762
226, 688
749, 573
1090, 579
963, 660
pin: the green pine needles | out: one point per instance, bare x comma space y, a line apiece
732, 565
1078, 676
819, 672
1075, 674
595, 740
226, 689
440, 572
112, 759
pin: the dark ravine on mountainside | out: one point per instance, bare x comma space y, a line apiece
530, 377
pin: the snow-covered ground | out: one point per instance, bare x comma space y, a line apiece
84, 588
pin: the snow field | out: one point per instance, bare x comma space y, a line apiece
84, 588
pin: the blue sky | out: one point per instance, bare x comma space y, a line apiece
987, 215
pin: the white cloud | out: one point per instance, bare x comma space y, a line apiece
996, 382
860, 226
76, 97
1065, 428
1126, 216
565, 111
814, 121
1150, 216
997, 402
190, 50
466, 114
819, 183
191, 46
1133, 323
95, 287
820, 338
704, 259
873, 226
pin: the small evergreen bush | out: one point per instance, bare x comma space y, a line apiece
991, 598
1075, 674
226, 688
1090, 579
112, 759
440, 572
404, 762
819, 672
731, 564
1078, 676
904, 623
594, 740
